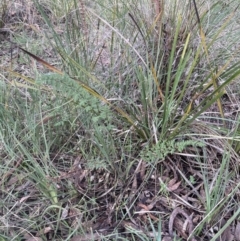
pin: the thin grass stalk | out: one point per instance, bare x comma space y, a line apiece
120, 35
207, 102
166, 115
226, 225
214, 210
205, 47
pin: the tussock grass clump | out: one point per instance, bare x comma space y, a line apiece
120, 121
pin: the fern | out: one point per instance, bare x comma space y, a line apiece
164, 148
80, 100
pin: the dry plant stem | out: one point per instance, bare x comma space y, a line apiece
82, 11
134, 183
158, 6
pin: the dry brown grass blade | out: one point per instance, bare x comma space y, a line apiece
43, 62
139, 29
98, 56
161, 95
159, 9
38, 59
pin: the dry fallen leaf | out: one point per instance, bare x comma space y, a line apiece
237, 232
34, 239
174, 187
23, 199
167, 238
86, 237
65, 212
227, 235
44, 231
172, 182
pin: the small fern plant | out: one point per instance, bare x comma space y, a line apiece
164, 148
80, 99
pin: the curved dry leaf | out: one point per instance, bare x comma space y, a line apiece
174, 221
174, 187
65, 212
172, 182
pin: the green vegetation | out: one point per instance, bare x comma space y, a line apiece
119, 120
